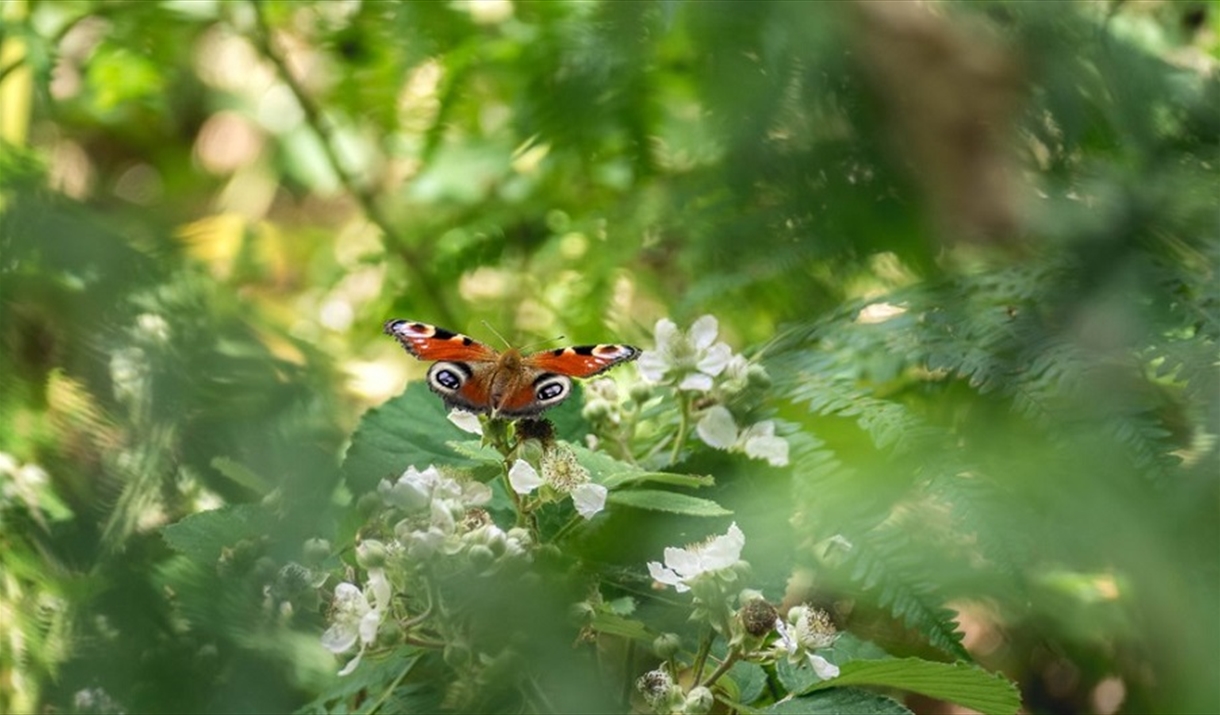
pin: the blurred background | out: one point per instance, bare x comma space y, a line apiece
974, 244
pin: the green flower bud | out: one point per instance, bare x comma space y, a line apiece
481, 556
371, 554
699, 701
316, 551
667, 645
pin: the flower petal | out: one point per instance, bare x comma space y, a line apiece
653, 365
703, 332
466, 421
351, 664
685, 562
666, 333
716, 427
724, 551
772, 449
715, 359
523, 477
696, 382
340, 637
381, 588
824, 668
589, 499
660, 574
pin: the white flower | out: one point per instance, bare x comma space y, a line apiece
466, 421
808, 629
355, 619
716, 427
412, 491
759, 442
523, 477
691, 359
589, 499
682, 566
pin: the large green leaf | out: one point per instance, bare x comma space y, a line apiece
203, 536
960, 683
656, 500
849, 701
411, 429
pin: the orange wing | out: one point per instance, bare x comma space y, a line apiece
582, 360
428, 342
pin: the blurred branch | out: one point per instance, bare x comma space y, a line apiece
366, 198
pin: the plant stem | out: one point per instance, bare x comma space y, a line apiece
683, 427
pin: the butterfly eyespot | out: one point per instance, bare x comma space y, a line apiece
552, 389
448, 378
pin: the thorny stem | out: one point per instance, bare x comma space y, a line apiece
723, 668
412, 259
701, 657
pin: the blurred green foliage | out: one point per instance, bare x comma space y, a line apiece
975, 245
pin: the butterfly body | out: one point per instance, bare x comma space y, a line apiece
474, 377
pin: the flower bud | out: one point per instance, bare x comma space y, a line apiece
667, 645
368, 504
640, 393
596, 410
316, 551
481, 556
699, 701
757, 377
371, 554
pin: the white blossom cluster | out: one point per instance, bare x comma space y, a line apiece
443, 525
694, 361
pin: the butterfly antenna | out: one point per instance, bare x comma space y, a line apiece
497, 334
543, 342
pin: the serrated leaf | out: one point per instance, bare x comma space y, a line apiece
411, 429
373, 675
960, 683
693, 481
475, 450
201, 537
749, 679
671, 502
849, 701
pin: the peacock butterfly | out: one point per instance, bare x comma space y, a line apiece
471, 376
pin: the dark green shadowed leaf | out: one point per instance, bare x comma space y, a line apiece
411, 429
846, 701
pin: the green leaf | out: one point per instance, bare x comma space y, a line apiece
203, 536
960, 683
411, 429
849, 701
656, 500
616, 625
693, 481
241, 475
749, 680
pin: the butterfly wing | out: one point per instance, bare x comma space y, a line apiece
428, 342
582, 360
463, 367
